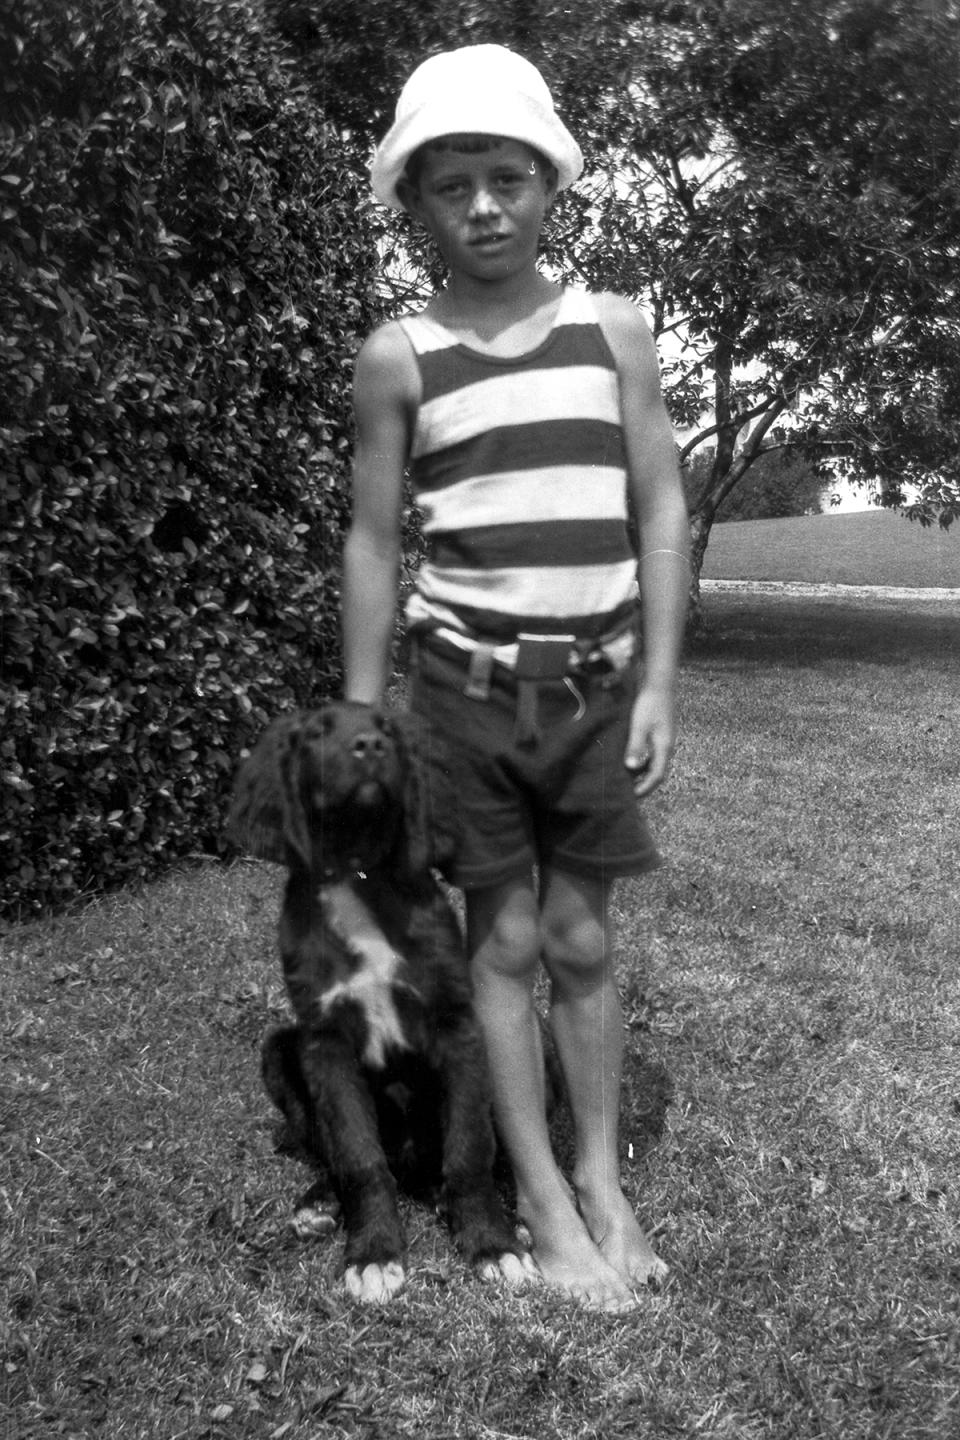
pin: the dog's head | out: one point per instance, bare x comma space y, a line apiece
334, 790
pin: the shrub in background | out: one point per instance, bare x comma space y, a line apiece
184, 275
780, 482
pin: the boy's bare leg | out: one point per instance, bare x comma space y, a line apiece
504, 935
587, 1024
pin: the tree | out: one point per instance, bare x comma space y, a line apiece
783, 187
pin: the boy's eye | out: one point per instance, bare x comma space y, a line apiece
456, 188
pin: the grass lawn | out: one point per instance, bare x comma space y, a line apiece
791, 1118
869, 547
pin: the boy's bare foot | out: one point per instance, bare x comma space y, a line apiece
569, 1261
622, 1242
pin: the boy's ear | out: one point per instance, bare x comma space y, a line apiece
409, 196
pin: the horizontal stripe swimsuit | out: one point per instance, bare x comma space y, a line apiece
519, 469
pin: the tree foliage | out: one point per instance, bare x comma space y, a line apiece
829, 293
184, 273
782, 186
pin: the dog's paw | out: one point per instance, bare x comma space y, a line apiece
311, 1222
508, 1269
374, 1284
522, 1234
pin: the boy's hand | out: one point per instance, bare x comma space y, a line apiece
651, 741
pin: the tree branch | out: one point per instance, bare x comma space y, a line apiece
736, 422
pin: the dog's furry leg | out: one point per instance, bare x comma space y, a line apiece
317, 1211
346, 1119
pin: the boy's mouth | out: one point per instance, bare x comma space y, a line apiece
489, 242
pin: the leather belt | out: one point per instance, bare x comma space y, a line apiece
535, 658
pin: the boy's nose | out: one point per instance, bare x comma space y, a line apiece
482, 201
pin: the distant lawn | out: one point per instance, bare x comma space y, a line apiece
875, 547
791, 1117
779, 623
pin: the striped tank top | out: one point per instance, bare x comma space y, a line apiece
519, 470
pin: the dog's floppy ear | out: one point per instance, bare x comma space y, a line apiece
428, 834
266, 816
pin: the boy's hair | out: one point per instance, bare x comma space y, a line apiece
468, 145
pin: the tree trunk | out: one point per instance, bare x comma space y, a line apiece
729, 467
702, 518
699, 535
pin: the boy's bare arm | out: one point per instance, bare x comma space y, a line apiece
383, 396
664, 568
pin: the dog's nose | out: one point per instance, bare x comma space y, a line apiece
369, 746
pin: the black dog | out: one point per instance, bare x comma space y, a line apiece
384, 1076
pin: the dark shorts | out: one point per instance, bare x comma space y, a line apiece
566, 802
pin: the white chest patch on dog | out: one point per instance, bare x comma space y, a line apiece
371, 985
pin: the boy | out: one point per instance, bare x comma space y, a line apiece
527, 412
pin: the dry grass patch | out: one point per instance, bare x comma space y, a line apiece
791, 1118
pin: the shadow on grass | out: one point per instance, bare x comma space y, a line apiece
647, 1094
771, 628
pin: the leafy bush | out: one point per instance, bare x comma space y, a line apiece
184, 272
780, 482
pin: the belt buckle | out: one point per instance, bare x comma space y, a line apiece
544, 657
480, 674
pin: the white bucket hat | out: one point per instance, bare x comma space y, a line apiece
482, 90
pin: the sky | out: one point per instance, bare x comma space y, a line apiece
852, 498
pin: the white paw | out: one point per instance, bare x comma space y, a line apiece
509, 1269
374, 1284
313, 1221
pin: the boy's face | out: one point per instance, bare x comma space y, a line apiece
484, 204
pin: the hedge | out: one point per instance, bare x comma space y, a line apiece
185, 273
